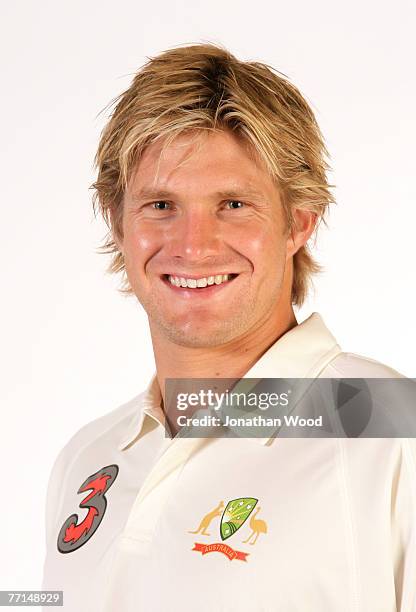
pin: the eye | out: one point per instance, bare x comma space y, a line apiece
233, 203
160, 205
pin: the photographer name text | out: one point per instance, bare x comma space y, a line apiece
255, 421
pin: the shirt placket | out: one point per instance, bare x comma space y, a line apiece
151, 500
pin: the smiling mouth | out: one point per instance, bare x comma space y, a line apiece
198, 284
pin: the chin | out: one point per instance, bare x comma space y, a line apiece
196, 337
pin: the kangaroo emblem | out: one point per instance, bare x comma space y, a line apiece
205, 522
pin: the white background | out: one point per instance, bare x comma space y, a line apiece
72, 347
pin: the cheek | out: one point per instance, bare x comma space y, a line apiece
264, 247
140, 244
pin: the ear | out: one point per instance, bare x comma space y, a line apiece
304, 222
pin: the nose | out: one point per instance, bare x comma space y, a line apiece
195, 236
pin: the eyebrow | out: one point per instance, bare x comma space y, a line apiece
159, 194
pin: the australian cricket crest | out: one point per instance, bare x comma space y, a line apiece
234, 516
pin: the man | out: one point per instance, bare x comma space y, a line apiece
212, 178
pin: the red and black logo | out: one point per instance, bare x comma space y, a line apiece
73, 535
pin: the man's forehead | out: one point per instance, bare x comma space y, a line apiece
227, 168
211, 146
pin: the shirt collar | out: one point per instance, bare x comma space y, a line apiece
302, 352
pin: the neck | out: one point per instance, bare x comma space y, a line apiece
230, 360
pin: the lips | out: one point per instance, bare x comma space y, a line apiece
198, 282
196, 276
197, 285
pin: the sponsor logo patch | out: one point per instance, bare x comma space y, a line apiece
72, 534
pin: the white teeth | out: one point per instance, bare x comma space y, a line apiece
193, 283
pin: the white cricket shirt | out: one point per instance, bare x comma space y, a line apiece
331, 521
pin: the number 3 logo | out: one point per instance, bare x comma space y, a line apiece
72, 535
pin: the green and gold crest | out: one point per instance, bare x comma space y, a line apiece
235, 515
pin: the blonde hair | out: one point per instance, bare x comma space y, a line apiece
204, 86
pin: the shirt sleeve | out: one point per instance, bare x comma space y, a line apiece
403, 508
54, 492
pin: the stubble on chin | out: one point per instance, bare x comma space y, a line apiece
197, 333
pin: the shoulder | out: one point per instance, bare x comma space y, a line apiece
350, 365
388, 401
108, 424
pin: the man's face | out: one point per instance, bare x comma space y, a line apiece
204, 209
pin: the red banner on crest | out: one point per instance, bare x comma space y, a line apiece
222, 548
